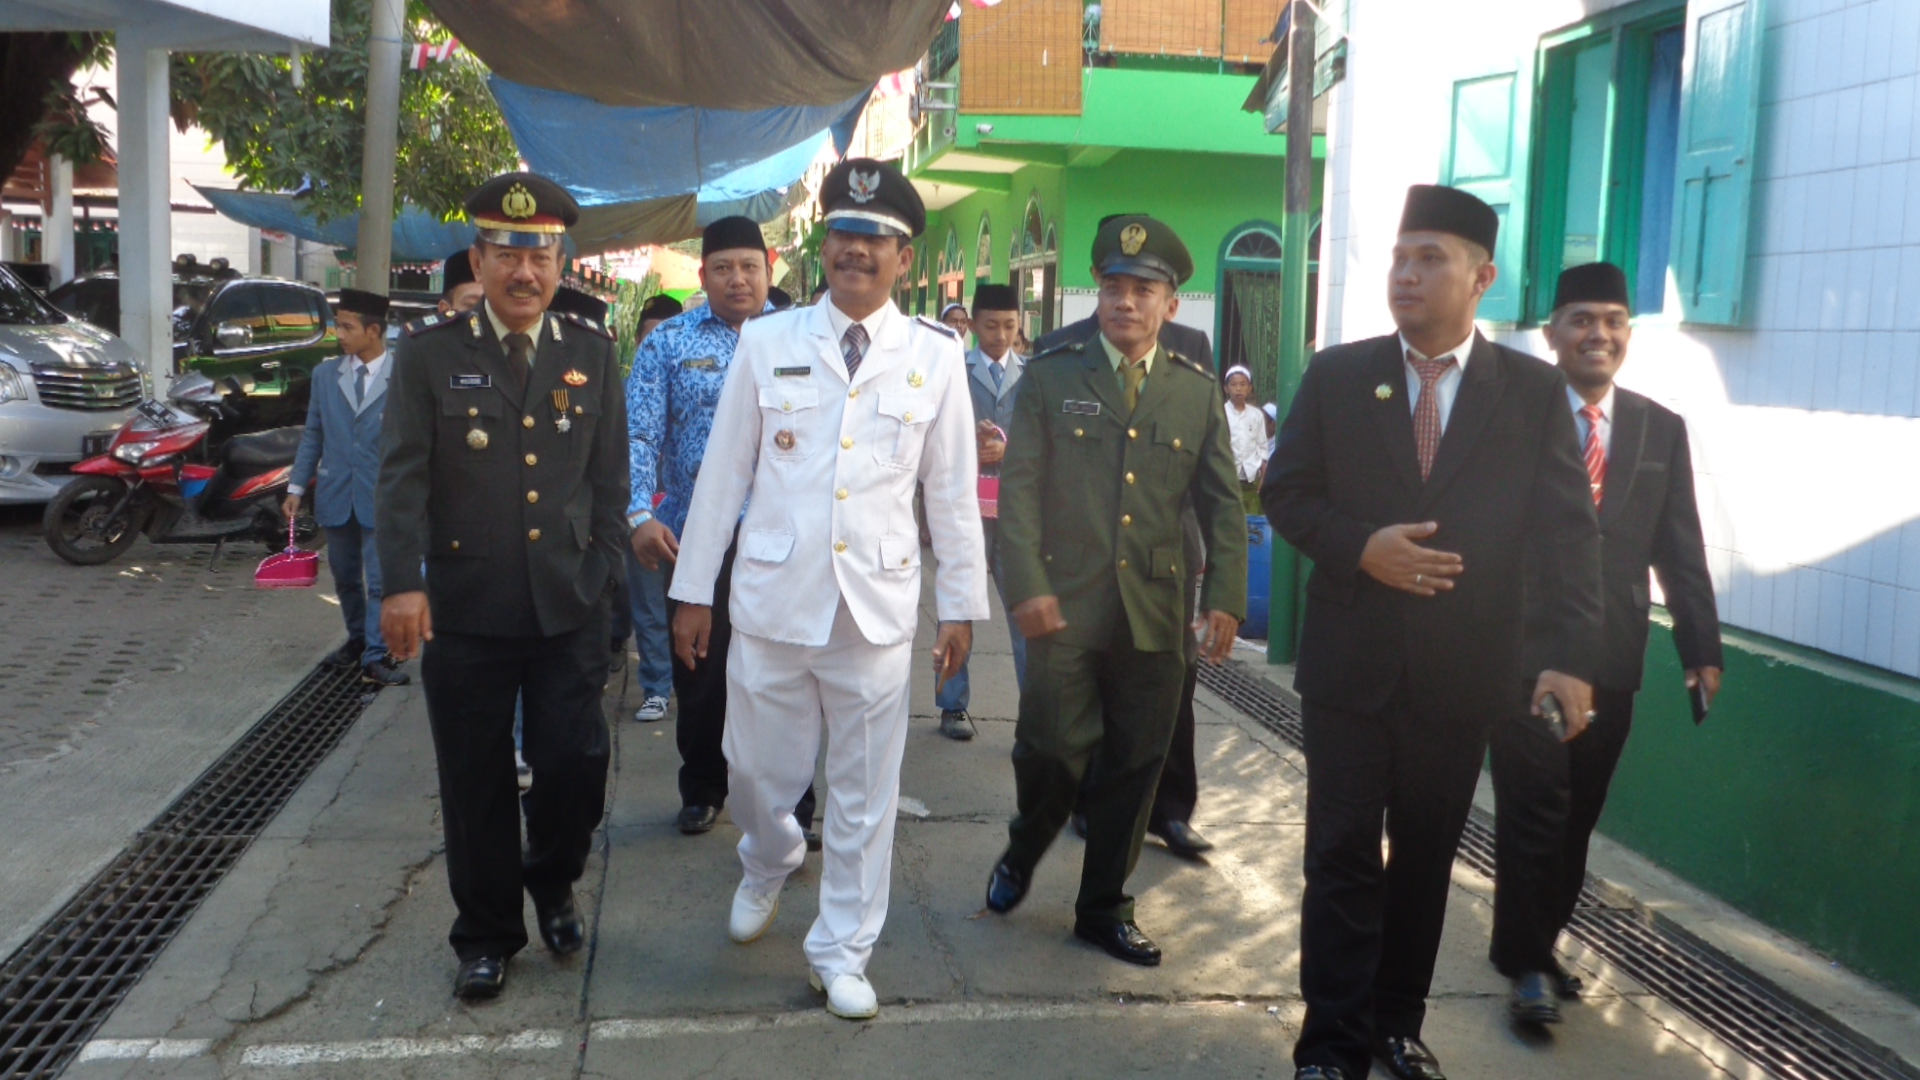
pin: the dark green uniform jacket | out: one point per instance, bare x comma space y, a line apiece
517, 506
1090, 496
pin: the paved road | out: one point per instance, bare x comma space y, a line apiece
323, 955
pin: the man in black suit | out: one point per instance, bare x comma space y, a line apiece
1414, 470
1551, 792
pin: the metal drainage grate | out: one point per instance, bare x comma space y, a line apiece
63, 982
1742, 1009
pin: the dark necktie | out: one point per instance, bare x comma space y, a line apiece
359, 386
1426, 413
520, 359
999, 373
853, 348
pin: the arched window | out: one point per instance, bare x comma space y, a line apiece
1033, 268
983, 252
953, 270
1255, 243
1250, 302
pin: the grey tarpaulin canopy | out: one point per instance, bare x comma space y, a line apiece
720, 54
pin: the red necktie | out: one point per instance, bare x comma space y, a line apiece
1426, 412
1596, 454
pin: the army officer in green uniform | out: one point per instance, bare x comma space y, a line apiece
504, 467
1112, 433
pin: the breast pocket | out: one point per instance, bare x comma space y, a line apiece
901, 428
1174, 443
790, 421
472, 427
1078, 437
583, 418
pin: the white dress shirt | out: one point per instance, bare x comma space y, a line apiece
1606, 419
500, 331
1247, 431
1447, 387
842, 322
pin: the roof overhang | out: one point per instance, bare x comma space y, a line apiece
184, 25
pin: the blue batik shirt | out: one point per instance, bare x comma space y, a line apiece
671, 394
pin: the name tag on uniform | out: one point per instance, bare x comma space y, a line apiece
794, 372
470, 382
1080, 408
704, 363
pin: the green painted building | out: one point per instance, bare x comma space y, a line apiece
1043, 121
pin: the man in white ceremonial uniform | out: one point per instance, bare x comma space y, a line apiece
829, 416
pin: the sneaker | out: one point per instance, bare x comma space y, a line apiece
653, 708
957, 725
849, 997
525, 771
384, 672
753, 912
346, 656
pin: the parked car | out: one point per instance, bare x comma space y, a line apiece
65, 388
270, 330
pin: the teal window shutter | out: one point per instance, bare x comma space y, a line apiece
1487, 154
1713, 181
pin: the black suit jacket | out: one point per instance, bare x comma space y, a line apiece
1507, 473
520, 533
1648, 519
1185, 340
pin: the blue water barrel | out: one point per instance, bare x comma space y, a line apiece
1259, 577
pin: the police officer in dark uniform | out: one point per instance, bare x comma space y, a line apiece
504, 469
1112, 434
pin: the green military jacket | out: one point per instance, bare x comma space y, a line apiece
516, 503
1090, 496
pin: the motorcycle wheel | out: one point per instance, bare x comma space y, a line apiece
78, 526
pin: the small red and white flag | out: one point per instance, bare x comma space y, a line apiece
424, 54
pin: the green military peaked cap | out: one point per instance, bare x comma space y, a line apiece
1143, 247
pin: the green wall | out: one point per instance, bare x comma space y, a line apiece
1798, 801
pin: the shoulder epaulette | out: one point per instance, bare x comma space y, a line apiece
1062, 348
585, 323
1191, 365
433, 322
934, 325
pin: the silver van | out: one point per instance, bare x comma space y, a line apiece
65, 387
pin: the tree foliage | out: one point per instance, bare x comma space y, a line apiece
279, 137
36, 81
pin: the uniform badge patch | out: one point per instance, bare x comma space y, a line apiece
862, 187
574, 377
469, 382
704, 363
477, 439
1080, 408
1132, 239
916, 380
793, 372
783, 439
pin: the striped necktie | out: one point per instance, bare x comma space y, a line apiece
1595, 453
1427, 427
853, 347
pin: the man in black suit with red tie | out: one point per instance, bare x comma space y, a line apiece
1550, 792
1416, 470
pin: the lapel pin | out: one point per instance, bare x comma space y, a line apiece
477, 439
915, 379
783, 439
1383, 391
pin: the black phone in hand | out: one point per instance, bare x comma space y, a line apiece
1697, 695
1555, 716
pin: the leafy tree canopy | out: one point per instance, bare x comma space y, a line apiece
278, 137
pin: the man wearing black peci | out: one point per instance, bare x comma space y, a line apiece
1416, 470
1550, 792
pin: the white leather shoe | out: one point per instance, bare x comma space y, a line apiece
849, 997
753, 912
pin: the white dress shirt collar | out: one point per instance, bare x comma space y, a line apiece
374, 366
500, 330
1606, 418
841, 321
1458, 352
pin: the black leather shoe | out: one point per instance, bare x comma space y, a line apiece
560, 926
1319, 1072
1568, 987
1079, 822
812, 837
480, 978
1006, 887
694, 820
346, 656
1407, 1058
1534, 999
384, 672
1181, 838
1122, 941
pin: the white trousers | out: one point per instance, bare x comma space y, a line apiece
778, 698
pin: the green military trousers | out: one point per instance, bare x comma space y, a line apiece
1118, 703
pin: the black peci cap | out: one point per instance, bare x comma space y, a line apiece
1142, 247
779, 298
522, 209
456, 271
862, 195
660, 306
994, 298
730, 233
1432, 208
570, 301
364, 304
1594, 283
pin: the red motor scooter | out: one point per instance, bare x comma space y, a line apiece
161, 475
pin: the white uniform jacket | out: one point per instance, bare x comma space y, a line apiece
825, 472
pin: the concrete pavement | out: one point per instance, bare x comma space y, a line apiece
323, 954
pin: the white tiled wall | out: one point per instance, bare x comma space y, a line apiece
1806, 423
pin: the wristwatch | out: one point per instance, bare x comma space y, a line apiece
639, 518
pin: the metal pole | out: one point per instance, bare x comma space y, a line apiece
374, 249
1283, 603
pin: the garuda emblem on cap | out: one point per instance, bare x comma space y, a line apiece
519, 203
863, 186
1132, 239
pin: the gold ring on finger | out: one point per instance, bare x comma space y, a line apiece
1419, 578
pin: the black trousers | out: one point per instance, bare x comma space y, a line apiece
1112, 708
1179, 790
1370, 928
471, 684
701, 724
1549, 797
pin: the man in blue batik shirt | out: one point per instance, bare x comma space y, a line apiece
676, 380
